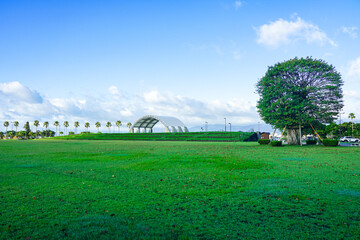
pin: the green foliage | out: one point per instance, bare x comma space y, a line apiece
11, 133
177, 190
264, 141
71, 133
300, 91
330, 142
311, 142
47, 133
276, 143
27, 129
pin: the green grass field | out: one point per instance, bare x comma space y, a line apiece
177, 190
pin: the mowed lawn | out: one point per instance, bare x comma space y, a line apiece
177, 190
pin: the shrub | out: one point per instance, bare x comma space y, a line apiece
264, 141
276, 143
311, 142
71, 133
330, 142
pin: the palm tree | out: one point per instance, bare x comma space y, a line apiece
56, 124
66, 125
129, 125
46, 124
36, 124
118, 124
6, 124
87, 125
76, 125
16, 124
352, 116
108, 125
97, 125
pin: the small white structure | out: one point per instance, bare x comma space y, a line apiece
146, 123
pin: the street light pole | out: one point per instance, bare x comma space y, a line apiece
230, 132
225, 124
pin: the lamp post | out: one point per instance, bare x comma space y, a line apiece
225, 124
230, 131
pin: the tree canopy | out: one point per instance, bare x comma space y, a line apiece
300, 91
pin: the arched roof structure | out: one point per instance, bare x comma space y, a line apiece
146, 124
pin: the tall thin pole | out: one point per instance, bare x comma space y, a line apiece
225, 124
230, 131
300, 134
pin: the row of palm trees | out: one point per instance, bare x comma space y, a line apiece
66, 124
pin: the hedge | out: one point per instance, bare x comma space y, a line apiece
330, 142
264, 141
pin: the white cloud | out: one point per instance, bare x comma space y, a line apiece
282, 32
107, 108
17, 92
114, 90
354, 68
351, 31
238, 4
153, 97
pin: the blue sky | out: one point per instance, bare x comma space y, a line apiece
195, 60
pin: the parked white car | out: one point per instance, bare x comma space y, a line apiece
349, 139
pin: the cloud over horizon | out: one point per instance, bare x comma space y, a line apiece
20, 103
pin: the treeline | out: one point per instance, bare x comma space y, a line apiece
28, 134
333, 130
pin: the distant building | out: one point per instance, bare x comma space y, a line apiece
265, 135
146, 123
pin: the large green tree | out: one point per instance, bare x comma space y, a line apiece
27, 130
299, 92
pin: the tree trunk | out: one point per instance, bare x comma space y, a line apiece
293, 136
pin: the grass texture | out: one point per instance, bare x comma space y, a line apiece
177, 190
189, 136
